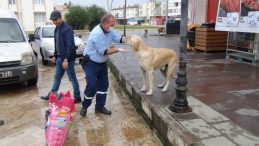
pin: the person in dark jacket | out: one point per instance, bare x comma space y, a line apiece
64, 55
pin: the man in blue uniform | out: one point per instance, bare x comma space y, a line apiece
97, 50
64, 55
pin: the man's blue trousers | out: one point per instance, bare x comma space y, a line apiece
97, 83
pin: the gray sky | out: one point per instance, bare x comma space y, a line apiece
101, 3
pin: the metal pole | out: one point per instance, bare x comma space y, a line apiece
125, 17
166, 15
108, 4
111, 5
180, 103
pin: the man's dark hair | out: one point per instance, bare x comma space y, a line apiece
55, 14
106, 18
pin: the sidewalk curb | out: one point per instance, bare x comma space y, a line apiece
169, 130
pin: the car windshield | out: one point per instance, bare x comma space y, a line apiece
48, 32
10, 31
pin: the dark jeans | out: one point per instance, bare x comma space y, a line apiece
97, 83
71, 75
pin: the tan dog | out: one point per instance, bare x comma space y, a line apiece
151, 59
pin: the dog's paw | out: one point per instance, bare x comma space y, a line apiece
160, 85
149, 93
143, 89
163, 90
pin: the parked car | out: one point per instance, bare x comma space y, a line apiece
17, 61
135, 21
42, 42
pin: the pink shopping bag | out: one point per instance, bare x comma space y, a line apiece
59, 118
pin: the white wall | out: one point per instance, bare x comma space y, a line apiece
49, 8
4, 4
25, 10
197, 11
27, 15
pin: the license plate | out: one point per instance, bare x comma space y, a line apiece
6, 74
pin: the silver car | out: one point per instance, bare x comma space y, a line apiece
42, 42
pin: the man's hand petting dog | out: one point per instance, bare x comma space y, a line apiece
122, 50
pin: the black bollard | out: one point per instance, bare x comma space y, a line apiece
145, 33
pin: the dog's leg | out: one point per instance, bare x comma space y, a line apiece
162, 84
169, 73
151, 82
163, 72
144, 78
167, 81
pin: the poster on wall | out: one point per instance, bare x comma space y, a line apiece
238, 15
228, 15
249, 15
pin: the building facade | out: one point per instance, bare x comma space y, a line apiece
174, 8
30, 13
131, 12
154, 11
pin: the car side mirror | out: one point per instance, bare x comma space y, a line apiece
31, 38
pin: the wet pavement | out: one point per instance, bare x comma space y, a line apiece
23, 113
226, 86
228, 89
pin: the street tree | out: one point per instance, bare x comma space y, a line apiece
77, 17
95, 14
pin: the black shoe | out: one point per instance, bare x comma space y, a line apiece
103, 110
1, 122
45, 97
78, 100
83, 111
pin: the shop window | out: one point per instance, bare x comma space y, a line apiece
243, 47
12, 2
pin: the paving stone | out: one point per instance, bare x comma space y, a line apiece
218, 141
199, 128
236, 134
204, 111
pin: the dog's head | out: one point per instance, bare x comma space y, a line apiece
134, 41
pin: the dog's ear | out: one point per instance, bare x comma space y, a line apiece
135, 43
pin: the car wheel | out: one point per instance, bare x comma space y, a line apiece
44, 62
33, 82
